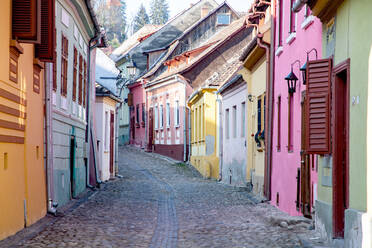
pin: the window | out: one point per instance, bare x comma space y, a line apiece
75, 75
143, 112
243, 120
201, 122
196, 129
137, 113
55, 72
64, 66
279, 121
156, 117
292, 19
85, 86
223, 19
106, 143
259, 122
81, 91
177, 113
280, 24
234, 127
227, 122
168, 114
290, 122
161, 115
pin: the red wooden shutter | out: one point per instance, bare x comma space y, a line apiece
74, 75
80, 79
318, 92
25, 20
45, 50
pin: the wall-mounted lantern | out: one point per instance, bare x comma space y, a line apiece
303, 70
291, 81
131, 66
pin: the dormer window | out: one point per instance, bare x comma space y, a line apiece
223, 19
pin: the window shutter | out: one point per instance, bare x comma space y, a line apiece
318, 92
45, 50
130, 99
80, 80
75, 75
25, 20
85, 87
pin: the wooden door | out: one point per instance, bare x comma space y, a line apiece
340, 153
132, 128
72, 165
112, 124
151, 129
304, 191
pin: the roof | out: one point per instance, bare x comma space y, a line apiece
106, 72
248, 49
134, 40
188, 30
234, 80
104, 92
218, 39
169, 32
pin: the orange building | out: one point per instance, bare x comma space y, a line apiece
24, 44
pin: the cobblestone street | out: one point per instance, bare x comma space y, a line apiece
161, 204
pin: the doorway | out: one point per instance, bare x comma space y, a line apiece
151, 130
303, 202
340, 172
112, 123
72, 165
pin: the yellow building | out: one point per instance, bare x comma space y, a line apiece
204, 155
22, 172
254, 73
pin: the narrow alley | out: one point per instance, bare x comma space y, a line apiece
161, 204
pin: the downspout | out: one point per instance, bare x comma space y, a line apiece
220, 136
184, 121
51, 204
88, 126
189, 138
146, 128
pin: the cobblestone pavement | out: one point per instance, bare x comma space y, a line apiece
160, 204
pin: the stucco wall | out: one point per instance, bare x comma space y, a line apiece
103, 106
285, 163
139, 131
234, 146
22, 175
68, 116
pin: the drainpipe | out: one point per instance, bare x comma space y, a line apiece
189, 138
146, 128
184, 120
220, 136
51, 204
88, 134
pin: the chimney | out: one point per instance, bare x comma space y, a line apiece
204, 11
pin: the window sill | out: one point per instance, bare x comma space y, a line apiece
279, 51
307, 22
177, 126
291, 38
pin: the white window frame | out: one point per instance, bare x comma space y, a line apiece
243, 112
161, 116
234, 124
167, 110
177, 113
156, 119
227, 123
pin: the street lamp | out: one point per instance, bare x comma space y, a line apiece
303, 70
131, 66
291, 81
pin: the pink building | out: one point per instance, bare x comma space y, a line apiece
294, 183
137, 113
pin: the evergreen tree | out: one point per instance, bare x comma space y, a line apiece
159, 12
141, 19
111, 15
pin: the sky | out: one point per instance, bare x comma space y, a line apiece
176, 6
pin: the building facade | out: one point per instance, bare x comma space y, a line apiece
297, 39
70, 95
22, 86
233, 130
343, 206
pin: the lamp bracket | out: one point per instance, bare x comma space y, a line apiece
312, 50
